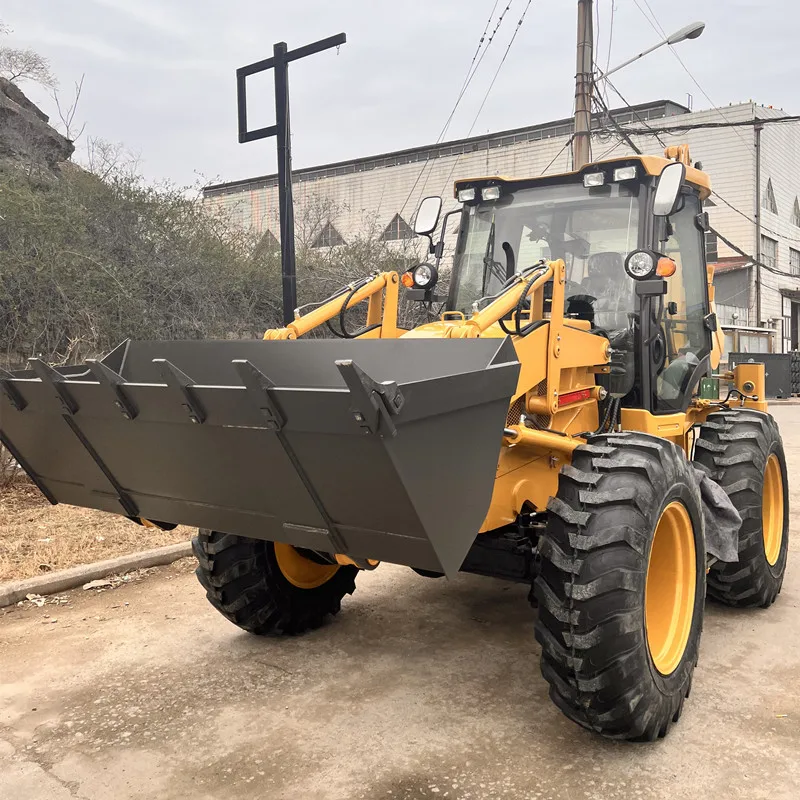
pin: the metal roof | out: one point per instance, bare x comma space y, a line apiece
548, 130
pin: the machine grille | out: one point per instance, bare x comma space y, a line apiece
539, 421
515, 411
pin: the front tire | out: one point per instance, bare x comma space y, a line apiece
621, 586
742, 451
266, 587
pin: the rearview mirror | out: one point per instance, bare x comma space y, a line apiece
668, 189
427, 215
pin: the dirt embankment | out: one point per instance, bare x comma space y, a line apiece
36, 537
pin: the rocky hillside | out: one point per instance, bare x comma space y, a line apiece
27, 140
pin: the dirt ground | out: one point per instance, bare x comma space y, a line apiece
36, 537
419, 689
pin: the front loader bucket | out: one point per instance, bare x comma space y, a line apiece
382, 449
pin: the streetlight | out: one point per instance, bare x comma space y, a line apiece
688, 32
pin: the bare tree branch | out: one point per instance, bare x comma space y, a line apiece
23, 64
67, 115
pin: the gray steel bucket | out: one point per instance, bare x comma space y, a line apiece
377, 449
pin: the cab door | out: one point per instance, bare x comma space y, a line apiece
683, 314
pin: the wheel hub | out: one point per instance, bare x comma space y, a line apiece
301, 571
670, 588
772, 510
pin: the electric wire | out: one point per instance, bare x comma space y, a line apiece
556, 156
618, 128
500, 66
747, 255
700, 126
752, 221
473, 67
490, 87
610, 37
471, 72
659, 29
634, 112
608, 152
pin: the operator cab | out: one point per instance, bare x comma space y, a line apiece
631, 233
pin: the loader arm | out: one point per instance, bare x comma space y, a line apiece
381, 290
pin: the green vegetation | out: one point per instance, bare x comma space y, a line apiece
86, 262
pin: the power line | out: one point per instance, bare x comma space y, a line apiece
610, 35
473, 67
635, 113
610, 150
653, 131
698, 126
658, 28
620, 131
555, 157
752, 221
500, 66
754, 261
491, 86
471, 72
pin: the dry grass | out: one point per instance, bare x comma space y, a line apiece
36, 537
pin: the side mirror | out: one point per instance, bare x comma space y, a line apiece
427, 216
669, 189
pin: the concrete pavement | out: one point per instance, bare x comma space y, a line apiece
419, 689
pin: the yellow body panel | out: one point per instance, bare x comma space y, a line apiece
751, 380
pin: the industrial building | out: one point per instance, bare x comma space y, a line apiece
759, 306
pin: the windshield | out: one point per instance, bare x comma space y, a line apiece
592, 229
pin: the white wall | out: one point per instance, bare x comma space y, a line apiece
727, 154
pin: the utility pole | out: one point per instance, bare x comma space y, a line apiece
584, 81
281, 57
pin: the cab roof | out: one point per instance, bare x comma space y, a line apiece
652, 165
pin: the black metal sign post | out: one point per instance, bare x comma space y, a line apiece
282, 131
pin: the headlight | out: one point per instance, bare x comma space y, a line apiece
640, 264
594, 179
624, 173
425, 276
490, 193
466, 195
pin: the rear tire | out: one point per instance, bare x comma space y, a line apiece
742, 451
610, 607
244, 581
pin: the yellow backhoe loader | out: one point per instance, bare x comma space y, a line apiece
562, 422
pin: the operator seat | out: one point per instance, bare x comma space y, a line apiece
612, 289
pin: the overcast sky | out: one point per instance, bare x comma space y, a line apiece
159, 74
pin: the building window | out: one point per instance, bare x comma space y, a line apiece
794, 261
768, 201
712, 248
398, 228
796, 213
328, 237
769, 251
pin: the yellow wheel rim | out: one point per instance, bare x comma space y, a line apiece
772, 510
670, 588
300, 571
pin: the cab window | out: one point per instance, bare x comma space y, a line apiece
686, 338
